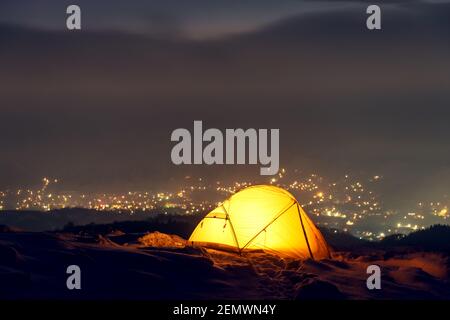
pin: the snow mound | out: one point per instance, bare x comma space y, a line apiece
162, 240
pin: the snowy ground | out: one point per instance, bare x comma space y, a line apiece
119, 266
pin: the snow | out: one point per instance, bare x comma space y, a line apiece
161, 266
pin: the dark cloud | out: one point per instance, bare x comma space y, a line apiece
97, 108
194, 18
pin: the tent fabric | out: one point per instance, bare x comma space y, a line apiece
262, 217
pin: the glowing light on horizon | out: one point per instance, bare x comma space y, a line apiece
343, 203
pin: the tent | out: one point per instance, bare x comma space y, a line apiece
261, 217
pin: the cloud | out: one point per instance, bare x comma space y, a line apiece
199, 19
97, 107
328, 54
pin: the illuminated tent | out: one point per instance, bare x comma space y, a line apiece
261, 217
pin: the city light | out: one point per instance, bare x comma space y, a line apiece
346, 203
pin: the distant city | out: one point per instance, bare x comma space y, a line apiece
347, 204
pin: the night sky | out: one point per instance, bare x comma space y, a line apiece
95, 108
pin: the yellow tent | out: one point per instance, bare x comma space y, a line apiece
261, 217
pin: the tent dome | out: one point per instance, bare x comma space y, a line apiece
261, 217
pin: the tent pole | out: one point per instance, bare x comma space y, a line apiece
304, 231
232, 229
273, 220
